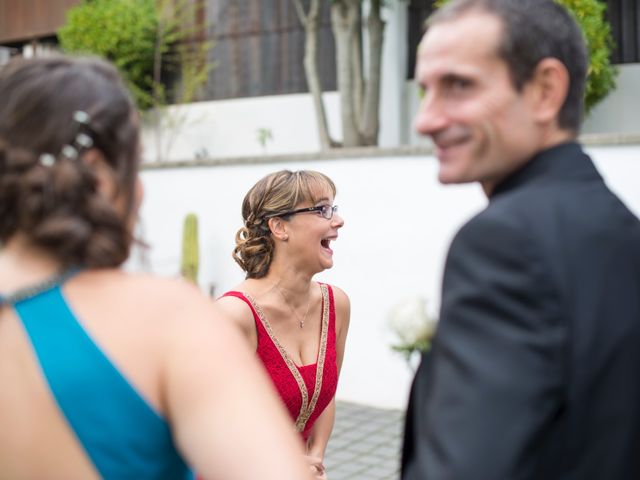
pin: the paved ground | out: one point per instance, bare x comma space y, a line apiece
365, 444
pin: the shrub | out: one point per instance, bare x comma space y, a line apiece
123, 31
597, 31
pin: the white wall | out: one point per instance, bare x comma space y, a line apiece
398, 224
619, 112
229, 128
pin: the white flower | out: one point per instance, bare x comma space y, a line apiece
411, 322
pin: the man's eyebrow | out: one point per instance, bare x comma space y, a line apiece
451, 76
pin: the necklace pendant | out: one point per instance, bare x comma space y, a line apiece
301, 323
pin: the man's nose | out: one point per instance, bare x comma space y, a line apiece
431, 117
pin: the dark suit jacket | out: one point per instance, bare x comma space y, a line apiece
535, 370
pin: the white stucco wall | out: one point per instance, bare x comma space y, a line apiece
619, 112
398, 224
229, 128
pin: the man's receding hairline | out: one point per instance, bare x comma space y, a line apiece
468, 11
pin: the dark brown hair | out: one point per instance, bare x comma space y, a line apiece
277, 192
47, 196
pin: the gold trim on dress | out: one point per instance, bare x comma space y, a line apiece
306, 407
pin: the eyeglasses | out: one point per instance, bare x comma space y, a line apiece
326, 211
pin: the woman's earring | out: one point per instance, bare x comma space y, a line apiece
285, 237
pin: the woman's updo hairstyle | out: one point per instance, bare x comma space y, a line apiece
277, 192
52, 110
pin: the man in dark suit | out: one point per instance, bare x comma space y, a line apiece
535, 369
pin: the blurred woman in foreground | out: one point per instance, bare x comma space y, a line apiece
104, 373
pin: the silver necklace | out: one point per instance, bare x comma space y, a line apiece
295, 315
32, 290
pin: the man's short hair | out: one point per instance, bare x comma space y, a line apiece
534, 30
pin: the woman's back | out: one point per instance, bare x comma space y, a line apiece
158, 335
109, 407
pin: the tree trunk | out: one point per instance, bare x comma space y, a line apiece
359, 99
344, 20
371, 113
357, 66
311, 22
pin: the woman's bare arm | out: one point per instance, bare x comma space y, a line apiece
228, 421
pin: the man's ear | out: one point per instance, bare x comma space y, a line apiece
95, 160
549, 88
278, 228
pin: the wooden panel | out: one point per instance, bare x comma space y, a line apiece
624, 16
23, 20
259, 47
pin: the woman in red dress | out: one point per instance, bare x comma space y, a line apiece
297, 326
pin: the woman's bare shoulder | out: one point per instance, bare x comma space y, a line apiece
340, 298
147, 295
343, 308
237, 311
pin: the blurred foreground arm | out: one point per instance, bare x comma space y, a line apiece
228, 420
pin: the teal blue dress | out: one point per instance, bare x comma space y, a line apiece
124, 437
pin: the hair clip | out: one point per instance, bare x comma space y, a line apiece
47, 160
70, 152
84, 140
81, 117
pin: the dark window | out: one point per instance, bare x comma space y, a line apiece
259, 49
624, 16
419, 10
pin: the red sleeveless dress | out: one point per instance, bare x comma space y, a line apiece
305, 390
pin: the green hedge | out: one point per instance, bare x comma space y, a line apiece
597, 31
123, 31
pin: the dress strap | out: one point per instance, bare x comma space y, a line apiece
36, 289
118, 429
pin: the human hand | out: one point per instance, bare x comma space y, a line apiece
316, 466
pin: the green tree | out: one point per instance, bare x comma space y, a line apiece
148, 40
158, 45
122, 31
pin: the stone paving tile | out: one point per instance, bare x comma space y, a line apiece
365, 444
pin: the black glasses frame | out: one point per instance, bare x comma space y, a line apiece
326, 211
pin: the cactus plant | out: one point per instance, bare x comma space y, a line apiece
190, 249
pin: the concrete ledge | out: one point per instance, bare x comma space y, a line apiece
610, 139
605, 139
